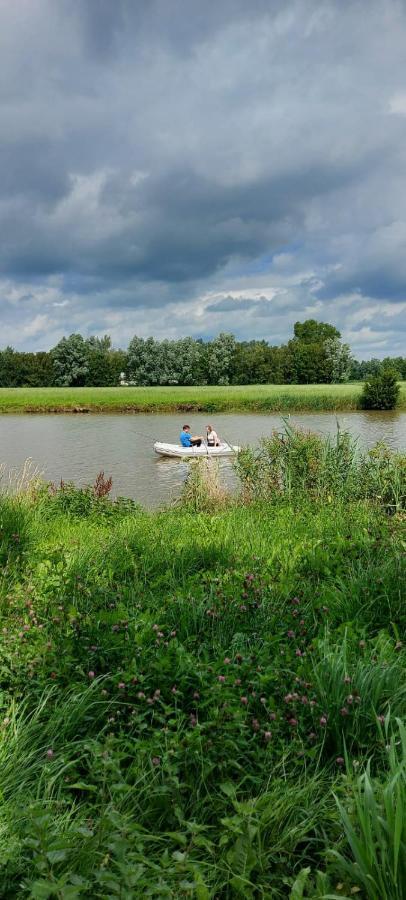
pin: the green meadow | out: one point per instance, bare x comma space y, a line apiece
254, 398
208, 701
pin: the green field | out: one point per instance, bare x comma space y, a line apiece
254, 398
206, 702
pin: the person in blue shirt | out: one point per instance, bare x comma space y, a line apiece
187, 440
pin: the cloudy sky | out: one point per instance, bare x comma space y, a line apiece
173, 167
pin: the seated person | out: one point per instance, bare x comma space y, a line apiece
212, 437
187, 440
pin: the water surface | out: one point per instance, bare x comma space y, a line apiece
76, 447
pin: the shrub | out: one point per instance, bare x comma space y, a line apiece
84, 501
381, 391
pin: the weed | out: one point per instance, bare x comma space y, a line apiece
184, 694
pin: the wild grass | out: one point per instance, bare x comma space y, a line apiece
203, 490
375, 826
247, 398
296, 463
204, 702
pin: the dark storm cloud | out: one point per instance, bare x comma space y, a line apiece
159, 155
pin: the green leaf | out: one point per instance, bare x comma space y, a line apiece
177, 836
82, 786
228, 789
55, 856
299, 884
41, 889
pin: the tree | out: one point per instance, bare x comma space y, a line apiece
99, 361
189, 361
316, 354
118, 364
71, 361
306, 363
166, 362
313, 332
36, 369
255, 362
219, 358
143, 361
397, 363
339, 359
98, 369
99, 343
9, 368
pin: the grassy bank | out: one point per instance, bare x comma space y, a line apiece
254, 398
206, 704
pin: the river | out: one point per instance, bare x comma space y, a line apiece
76, 447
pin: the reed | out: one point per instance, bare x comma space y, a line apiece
203, 490
297, 463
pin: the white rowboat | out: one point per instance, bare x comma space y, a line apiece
177, 450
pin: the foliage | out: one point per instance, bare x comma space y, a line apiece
339, 358
203, 490
313, 332
381, 391
83, 502
70, 361
374, 822
31, 369
315, 355
220, 359
296, 463
184, 694
255, 362
152, 362
364, 369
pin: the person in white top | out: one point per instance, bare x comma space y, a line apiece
212, 437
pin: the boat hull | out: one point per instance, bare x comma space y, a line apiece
179, 452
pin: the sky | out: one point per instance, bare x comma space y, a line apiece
174, 167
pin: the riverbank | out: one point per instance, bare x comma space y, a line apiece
187, 694
247, 398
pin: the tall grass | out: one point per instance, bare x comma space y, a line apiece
297, 463
374, 823
203, 490
184, 694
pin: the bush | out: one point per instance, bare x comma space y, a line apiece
82, 502
381, 391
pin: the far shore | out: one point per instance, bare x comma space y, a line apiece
245, 398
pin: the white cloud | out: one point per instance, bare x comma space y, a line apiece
397, 104
38, 325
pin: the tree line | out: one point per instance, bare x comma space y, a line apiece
314, 355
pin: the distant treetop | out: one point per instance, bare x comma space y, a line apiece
313, 332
